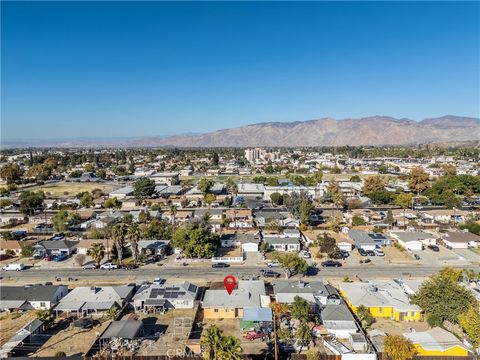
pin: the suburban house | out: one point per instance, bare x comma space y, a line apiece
414, 240
168, 191
362, 239
15, 245
26, 335
263, 218
121, 193
84, 245
56, 247
154, 298
460, 240
38, 297
239, 218
444, 216
338, 320
195, 195
154, 214
153, 247
383, 298
437, 342
316, 293
218, 304
247, 242
104, 222
257, 319
95, 300
282, 243
123, 330
250, 190
169, 178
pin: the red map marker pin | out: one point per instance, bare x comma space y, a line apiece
229, 283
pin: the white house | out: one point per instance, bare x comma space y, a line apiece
414, 240
460, 240
38, 297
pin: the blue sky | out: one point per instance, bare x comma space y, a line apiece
111, 69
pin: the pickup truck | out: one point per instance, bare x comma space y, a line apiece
255, 334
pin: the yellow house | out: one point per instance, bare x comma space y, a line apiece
384, 299
437, 342
218, 304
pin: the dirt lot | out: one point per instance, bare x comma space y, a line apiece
398, 327
172, 338
71, 340
11, 323
72, 188
396, 256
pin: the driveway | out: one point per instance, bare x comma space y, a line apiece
467, 254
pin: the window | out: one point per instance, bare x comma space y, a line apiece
42, 304
380, 310
215, 310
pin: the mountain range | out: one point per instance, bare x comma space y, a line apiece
374, 130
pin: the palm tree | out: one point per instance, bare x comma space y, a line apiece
230, 348
173, 211
211, 342
134, 236
97, 252
118, 234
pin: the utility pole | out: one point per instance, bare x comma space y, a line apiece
275, 335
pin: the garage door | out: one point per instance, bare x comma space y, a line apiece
249, 247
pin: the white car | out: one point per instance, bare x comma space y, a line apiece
305, 254
108, 266
273, 264
379, 252
13, 267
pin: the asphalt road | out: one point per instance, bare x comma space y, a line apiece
35, 275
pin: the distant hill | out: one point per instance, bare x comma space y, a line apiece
374, 130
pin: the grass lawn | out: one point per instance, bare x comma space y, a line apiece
70, 189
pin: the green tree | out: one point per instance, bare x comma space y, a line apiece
306, 208
364, 316
86, 200
119, 232
196, 240
215, 159
134, 235
470, 323
418, 180
112, 203
144, 217
443, 297
209, 199
30, 201
300, 309
10, 172
217, 346
326, 243
293, 202
230, 348
143, 188
404, 201
291, 262
355, 178
27, 251
389, 218
96, 252
112, 313
60, 221
205, 185
157, 229
358, 221
276, 198
398, 347
46, 316
372, 184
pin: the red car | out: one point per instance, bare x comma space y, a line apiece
47, 258
252, 335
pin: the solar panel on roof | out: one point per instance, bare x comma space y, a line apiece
192, 288
181, 293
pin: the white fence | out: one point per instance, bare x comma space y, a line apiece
236, 259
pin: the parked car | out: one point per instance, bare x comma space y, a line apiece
220, 265
60, 257
331, 263
417, 257
379, 252
108, 266
362, 252
273, 263
255, 334
434, 248
90, 267
370, 253
270, 273
47, 258
305, 254
13, 267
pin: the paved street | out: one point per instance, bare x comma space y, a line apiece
34, 275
